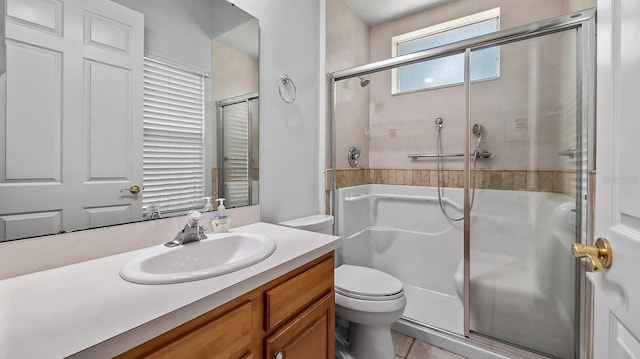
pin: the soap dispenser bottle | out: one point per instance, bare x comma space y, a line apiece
208, 207
221, 222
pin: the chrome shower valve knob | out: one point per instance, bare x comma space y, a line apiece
353, 156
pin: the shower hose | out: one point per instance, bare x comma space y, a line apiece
439, 171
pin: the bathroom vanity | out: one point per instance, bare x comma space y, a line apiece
284, 303
292, 315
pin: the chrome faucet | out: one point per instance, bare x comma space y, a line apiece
151, 211
192, 231
187, 235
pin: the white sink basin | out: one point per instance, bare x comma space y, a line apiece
219, 254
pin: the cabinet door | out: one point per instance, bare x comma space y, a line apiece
310, 335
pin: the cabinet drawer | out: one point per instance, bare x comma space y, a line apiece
221, 338
288, 298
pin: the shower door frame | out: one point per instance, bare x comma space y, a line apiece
584, 24
220, 105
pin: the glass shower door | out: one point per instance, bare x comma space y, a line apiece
525, 213
238, 150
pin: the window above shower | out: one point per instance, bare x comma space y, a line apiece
449, 70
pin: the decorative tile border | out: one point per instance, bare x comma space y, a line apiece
214, 184
515, 180
255, 174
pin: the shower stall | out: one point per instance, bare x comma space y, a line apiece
471, 193
237, 140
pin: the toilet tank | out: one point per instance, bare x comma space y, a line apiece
321, 223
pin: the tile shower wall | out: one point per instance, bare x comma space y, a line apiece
525, 143
514, 180
529, 73
347, 45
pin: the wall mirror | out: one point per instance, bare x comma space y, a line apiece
108, 110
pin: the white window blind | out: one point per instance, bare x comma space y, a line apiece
173, 166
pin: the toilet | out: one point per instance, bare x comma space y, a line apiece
369, 299
321, 223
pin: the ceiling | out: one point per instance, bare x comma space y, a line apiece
373, 12
237, 29
230, 17
376, 12
244, 38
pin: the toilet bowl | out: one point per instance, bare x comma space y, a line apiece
369, 299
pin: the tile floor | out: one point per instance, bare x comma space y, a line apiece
410, 348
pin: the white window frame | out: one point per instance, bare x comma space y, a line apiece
397, 40
174, 137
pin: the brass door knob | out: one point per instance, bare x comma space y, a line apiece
133, 189
600, 254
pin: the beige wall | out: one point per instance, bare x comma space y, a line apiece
348, 46
577, 5
529, 90
236, 73
535, 87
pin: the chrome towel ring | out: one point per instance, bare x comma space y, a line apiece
287, 89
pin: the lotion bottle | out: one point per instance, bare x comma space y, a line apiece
221, 222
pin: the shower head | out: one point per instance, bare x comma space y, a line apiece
477, 130
363, 81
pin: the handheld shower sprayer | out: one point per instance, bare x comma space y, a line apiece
439, 122
477, 130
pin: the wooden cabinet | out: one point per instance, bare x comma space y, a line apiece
306, 336
289, 297
223, 337
293, 314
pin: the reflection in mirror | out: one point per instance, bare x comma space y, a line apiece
237, 139
108, 109
3, 58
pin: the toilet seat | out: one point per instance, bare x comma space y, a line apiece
365, 283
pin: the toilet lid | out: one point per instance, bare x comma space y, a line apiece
364, 282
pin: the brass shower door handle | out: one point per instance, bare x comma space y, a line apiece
133, 189
599, 254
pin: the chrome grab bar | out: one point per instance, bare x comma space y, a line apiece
480, 154
415, 155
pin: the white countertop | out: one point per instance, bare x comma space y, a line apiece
88, 310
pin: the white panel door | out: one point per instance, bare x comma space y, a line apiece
617, 289
73, 119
